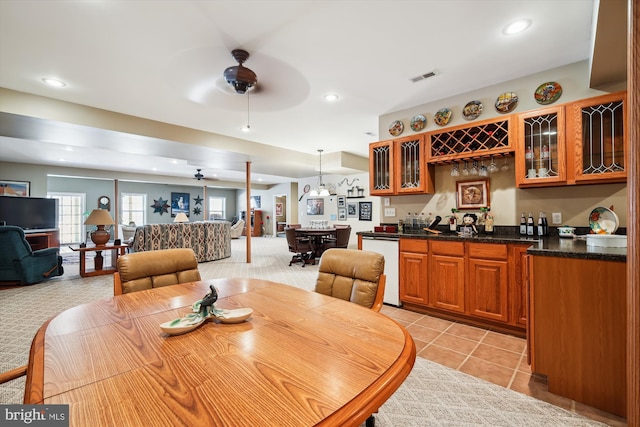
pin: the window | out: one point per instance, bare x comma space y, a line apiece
133, 208
217, 207
71, 209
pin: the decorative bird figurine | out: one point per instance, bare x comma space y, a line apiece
208, 301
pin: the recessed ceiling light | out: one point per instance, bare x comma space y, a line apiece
332, 97
516, 27
54, 82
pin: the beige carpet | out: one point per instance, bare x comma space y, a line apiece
432, 395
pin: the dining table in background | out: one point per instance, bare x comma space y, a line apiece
316, 237
301, 359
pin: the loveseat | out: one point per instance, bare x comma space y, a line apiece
210, 240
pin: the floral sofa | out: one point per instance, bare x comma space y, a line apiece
210, 240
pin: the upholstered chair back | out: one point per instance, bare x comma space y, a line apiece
352, 275
152, 269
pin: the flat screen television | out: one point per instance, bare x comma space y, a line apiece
29, 213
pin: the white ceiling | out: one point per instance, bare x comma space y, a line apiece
163, 60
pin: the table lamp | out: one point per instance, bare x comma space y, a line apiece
99, 218
181, 217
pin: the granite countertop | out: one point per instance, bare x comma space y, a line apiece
543, 246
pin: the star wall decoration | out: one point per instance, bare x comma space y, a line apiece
198, 200
197, 211
160, 206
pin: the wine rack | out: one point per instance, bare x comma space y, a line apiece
468, 142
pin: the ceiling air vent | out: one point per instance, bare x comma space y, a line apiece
422, 77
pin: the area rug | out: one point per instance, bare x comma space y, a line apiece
434, 395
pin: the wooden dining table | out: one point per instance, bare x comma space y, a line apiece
301, 359
316, 236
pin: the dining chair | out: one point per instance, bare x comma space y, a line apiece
339, 240
355, 276
13, 374
138, 271
300, 246
352, 275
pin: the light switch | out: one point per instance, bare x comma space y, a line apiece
387, 201
389, 211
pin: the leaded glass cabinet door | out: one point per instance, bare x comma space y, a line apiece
600, 142
381, 168
410, 164
540, 153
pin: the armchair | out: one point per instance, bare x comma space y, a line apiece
237, 229
19, 263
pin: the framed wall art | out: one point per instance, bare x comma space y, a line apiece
15, 188
342, 214
342, 201
315, 206
179, 203
365, 211
473, 194
279, 209
352, 210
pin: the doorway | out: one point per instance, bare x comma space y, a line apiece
279, 214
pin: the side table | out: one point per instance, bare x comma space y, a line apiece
116, 251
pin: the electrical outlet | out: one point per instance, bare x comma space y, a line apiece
556, 218
389, 211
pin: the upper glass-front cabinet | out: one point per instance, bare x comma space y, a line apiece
600, 142
410, 164
399, 167
381, 168
540, 153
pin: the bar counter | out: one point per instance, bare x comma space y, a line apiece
545, 246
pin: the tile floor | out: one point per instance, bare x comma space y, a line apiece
492, 356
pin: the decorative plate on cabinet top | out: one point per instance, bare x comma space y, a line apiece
442, 116
418, 122
396, 128
603, 221
548, 93
506, 102
472, 110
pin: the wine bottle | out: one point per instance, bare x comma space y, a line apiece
523, 224
540, 225
530, 225
545, 224
453, 223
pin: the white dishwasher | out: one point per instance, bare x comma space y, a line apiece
388, 247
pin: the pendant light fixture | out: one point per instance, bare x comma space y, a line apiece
321, 191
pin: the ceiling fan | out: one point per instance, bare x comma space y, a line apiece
199, 176
240, 77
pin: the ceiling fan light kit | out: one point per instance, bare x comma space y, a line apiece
241, 78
